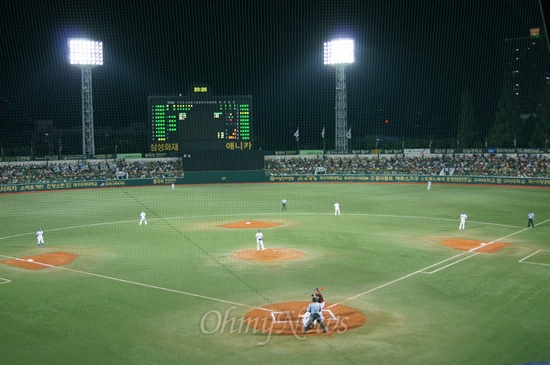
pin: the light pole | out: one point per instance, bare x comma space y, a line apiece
339, 53
86, 54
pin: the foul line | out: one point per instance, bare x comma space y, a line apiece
431, 266
140, 284
4, 281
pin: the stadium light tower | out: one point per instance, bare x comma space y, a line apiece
86, 54
339, 53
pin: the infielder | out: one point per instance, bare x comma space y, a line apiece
39, 237
463, 218
336, 208
429, 185
142, 218
260, 241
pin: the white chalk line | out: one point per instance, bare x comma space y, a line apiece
431, 266
4, 281
137, 283
274, 316
523, 260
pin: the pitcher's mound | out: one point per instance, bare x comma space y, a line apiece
43, 261
286, 318
270, 254
479, 246
250, 224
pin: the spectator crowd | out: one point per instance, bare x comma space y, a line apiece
463, 165
87, 170
532, 166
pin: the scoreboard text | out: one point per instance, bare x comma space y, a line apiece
181, 123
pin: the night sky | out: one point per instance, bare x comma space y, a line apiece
413, 60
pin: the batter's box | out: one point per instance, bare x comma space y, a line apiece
286, 317
4, 281
540, 257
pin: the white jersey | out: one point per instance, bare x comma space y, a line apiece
40, 235
463, 217
259, 236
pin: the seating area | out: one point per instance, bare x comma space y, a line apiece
463, 165
532, 166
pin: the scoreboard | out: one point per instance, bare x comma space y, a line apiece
203, 123
201, 127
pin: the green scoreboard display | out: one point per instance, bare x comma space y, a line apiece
209, 133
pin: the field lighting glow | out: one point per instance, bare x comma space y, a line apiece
339, 52
85, 52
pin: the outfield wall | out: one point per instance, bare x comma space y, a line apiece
221, 177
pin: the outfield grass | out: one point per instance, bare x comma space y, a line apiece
150, 294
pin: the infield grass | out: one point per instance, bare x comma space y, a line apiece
152, 294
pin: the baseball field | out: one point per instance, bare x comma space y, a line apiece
402, 284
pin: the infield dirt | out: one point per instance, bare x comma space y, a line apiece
43, 261
480, 246
286, 319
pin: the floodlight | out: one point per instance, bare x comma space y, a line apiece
86, 54
339, 53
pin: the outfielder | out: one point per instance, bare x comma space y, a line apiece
142, 218
463, 218
40, 237
336, 208
260, 241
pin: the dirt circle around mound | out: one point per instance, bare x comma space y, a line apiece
269, 255
474, 245
286, 319
43, 261
250, 224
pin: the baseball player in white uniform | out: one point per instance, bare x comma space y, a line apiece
40, 237
260, 241
142, 218
336, 208
463, 218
